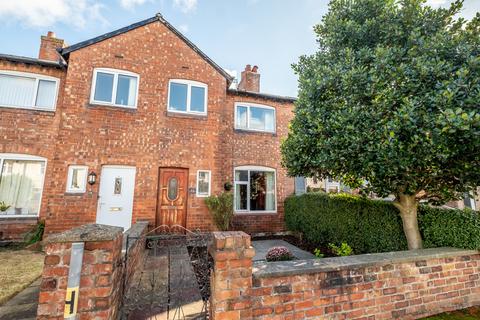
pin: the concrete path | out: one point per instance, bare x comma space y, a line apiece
23, 305
262, 247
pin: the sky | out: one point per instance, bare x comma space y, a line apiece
269, 33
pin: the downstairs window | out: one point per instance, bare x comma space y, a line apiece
21, 184
255, 190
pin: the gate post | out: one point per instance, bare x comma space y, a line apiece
98, 295
231, 279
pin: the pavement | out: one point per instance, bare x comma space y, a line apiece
262, 247
23, 305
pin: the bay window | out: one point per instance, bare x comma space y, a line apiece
185, 96
254, 117
21, 184
28, 90
255, 189
114, 88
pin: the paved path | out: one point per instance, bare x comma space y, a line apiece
167, 281
262, 247
23, 305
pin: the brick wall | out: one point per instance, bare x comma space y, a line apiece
401, 285
30, 132
101, 281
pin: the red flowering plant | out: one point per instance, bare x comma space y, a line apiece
279, 254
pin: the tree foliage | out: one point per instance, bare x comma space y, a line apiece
392, 97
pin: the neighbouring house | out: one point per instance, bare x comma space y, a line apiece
136, 124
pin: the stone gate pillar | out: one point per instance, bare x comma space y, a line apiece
231, 279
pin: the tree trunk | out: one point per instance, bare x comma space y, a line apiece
408, 211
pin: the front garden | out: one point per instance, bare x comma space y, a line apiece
331, 224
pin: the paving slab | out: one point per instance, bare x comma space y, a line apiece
262, 247
23, 305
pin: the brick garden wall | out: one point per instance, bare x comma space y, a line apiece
401, 285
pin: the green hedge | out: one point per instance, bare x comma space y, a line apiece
375, 226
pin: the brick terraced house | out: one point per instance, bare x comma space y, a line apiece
136, 124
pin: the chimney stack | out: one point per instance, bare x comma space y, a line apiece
48, 47
250, 79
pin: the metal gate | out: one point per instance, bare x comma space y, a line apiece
173, 281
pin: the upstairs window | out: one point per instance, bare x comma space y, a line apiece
114, 88
254, 117
186, 96
28, 90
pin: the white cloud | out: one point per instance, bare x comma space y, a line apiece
185, 5
183, 28
45, 13
131, 4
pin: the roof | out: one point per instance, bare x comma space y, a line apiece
262, 95
157, 17
28, 60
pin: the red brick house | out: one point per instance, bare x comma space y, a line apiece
136, 124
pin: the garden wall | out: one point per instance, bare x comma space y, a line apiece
102, 271
398, 285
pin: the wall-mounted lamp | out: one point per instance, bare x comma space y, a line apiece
92, 178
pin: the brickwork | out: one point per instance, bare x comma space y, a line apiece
149, 137
231, 279
101, 275
403, 285
12, 229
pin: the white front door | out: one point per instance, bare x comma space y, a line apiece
115, 201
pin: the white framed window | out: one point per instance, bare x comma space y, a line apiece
28, 91
21, 184
255, 190
204, 179
255, 117
77, 179
186, 96
116, 88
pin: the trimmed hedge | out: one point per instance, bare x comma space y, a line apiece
370, 226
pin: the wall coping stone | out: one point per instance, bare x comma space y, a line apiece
287, 268
87, 232
136, 231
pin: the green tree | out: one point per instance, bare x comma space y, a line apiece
391, 97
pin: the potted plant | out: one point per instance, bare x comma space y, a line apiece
3, 206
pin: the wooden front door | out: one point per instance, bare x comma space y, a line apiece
172, 197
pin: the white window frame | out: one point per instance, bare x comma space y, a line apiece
255, 105
37, 78
83, 189
115, 73
235, 183
16, 156
209, 183
189, 84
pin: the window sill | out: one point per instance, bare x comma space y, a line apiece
187, 115
46, 111
111, 107
246, 131
19, 217
69, 193
255, 213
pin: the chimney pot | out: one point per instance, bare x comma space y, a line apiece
255, 68
248, 67
51, 34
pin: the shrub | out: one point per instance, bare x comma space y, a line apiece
221, 208
36, 234
279, 254
342, 251
450, 227
318, 253
375, 226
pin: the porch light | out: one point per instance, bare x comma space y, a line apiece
92, 178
